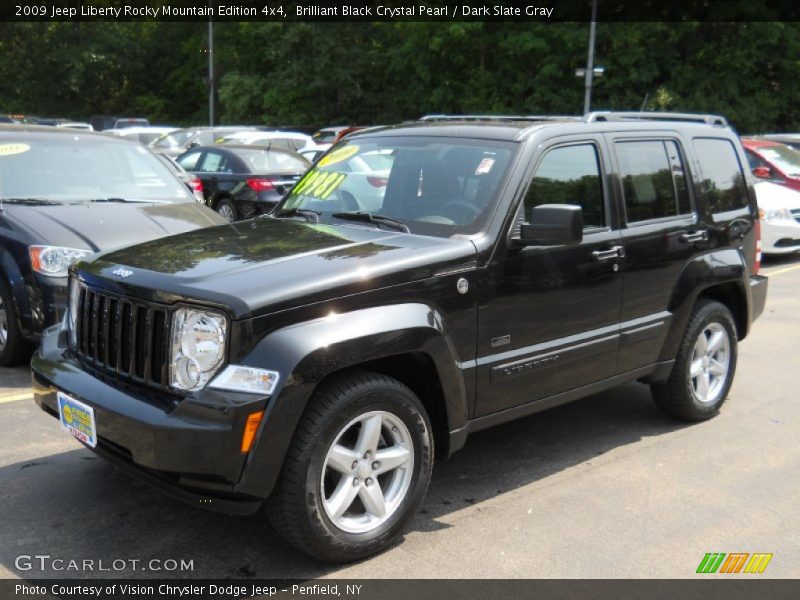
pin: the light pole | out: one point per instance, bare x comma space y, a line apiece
211, 73
587, 98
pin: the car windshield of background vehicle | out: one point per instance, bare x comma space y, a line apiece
783, 157
435, 186
86, 170
264, 161
171, 140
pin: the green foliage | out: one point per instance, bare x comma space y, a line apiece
314, 74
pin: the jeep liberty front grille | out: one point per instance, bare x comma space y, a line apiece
126, 337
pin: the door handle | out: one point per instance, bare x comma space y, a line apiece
697, 236
610, 254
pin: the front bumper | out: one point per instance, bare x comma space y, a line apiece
188, 448
758, 295
781, 237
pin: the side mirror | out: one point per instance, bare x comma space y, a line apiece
553, 225
192, 144
763, 172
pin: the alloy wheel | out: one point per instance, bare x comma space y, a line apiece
226, 211
367, 472
3, 325
710, 363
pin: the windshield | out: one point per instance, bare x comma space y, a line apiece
783, 157
171, 140
433, 185
80, 168
325, 136
264, 161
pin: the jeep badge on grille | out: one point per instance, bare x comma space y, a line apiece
122, 272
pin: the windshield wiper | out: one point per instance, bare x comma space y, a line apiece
129, 200
377, 220
29, 201
311, 216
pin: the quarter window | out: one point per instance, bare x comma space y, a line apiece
570, 175
189, 161
723, 180
653, 179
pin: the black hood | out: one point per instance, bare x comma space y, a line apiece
264, 264
105, 226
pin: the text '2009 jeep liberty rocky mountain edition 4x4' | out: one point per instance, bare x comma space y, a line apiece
486, 269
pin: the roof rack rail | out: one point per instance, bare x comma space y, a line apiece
500, 118
610, 115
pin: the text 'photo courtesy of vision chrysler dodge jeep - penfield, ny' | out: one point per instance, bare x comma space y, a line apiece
318, 359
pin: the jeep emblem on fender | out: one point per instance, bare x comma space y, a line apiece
122, 272
462, 286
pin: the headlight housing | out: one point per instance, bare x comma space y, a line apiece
198, 347
54, 261
777, 214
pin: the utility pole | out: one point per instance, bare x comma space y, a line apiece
211, 73
587, 98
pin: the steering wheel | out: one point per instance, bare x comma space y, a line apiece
456, 209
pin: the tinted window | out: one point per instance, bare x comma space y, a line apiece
722, 177
653, 180
570, 175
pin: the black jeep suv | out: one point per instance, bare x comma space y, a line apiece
476, 270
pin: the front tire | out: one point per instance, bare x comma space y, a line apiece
14, 348
357, 469
704, 368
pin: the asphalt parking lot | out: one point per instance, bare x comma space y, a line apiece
604, 487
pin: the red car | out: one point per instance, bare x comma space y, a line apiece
773, 161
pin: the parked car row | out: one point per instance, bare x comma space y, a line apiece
66, 195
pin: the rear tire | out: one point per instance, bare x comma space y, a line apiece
704, 367
227, 208
14, 348
357, 469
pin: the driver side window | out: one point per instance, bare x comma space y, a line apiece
570, 175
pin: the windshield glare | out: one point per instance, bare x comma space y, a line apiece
783, 157
84, 168
436, 186
172, 140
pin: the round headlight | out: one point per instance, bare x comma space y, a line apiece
198, 347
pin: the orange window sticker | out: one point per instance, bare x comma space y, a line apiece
10, 149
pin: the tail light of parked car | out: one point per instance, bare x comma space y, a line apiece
378, 182
196, 186
260, 184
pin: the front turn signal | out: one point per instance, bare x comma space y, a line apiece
250, 428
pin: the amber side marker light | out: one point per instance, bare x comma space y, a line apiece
250, 428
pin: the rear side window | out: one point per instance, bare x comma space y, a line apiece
570, 175
212, 163
722, 177
653, 179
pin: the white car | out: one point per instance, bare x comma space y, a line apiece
779, 208
287, 140
143, 135
314, 151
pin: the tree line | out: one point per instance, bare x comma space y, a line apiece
315, 74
